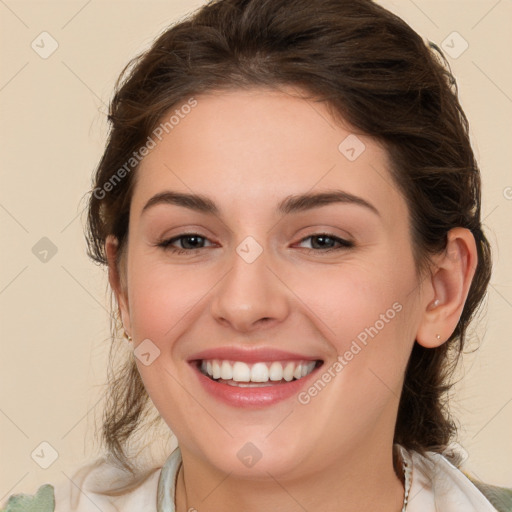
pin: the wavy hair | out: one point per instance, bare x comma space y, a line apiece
371, 69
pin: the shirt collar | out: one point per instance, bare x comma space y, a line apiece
167, 482
435, 485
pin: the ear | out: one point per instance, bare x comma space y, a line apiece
116, 281
447, 288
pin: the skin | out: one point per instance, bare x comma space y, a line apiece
247, 151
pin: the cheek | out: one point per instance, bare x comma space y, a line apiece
161, 297
349, 298
368, 314
163, 300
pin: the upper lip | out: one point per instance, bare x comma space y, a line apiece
252, 355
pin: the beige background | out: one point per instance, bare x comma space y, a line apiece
54, 321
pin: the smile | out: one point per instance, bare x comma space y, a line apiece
259, 374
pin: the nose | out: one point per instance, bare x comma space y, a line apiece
250, 296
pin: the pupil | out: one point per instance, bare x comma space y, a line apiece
193, 245
322, 240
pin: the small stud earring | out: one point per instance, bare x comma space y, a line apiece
129, 338
438, 336
436, 303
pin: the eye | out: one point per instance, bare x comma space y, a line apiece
324, 242
189, 243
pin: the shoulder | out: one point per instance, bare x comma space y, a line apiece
500, 497
440, 485
92, 487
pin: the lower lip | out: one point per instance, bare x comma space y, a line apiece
252, 397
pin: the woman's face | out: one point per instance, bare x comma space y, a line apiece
270, 275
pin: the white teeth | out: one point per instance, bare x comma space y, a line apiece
226, 372
276, 371
215, 369
288, 372
260, 372
241, 372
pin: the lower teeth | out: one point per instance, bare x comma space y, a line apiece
248, 384
251, 384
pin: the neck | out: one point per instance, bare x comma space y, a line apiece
359, 481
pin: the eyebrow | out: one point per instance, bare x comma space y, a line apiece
291, 204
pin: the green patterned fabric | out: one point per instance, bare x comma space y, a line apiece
42, 501
500, 497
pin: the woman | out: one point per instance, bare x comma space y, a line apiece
289, 208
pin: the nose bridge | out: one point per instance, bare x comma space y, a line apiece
249, 292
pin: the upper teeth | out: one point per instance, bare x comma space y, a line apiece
257, 372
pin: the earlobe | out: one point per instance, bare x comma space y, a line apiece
449, 285
116, 283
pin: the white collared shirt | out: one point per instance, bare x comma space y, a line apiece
438, 486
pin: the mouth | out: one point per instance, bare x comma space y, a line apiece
258, 374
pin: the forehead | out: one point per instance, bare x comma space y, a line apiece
250, 146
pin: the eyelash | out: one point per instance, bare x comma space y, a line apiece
166, 244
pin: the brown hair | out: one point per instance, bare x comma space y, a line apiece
372, 70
